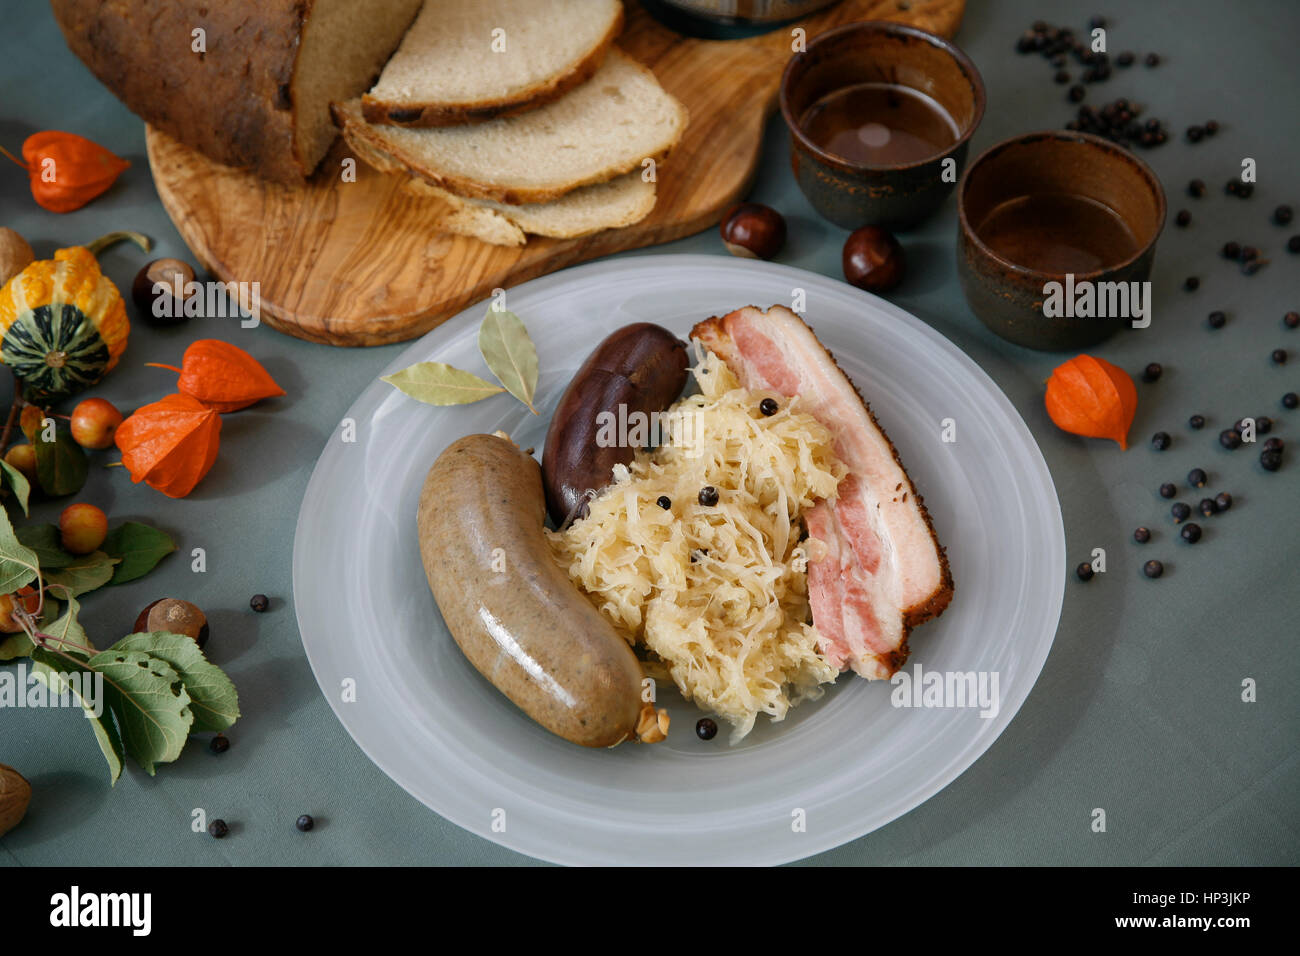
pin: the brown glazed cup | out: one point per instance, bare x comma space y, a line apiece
1008, 297
853, 194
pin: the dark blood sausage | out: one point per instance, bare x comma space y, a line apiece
510, 607
641, 367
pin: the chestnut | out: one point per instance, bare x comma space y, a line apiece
873, 259
178, 617
753, 230
154, 287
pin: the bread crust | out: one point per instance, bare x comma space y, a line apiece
423, 115
142, 51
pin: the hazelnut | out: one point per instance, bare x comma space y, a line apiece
161, 307
15, 795
873, 259
15, 254
753, 230
176, 617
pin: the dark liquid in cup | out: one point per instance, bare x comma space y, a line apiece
1057, 233
879, 124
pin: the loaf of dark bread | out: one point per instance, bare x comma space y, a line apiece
246, 82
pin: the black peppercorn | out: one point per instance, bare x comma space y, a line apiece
706, 728
1290, 400
1222, 501
1248, 253
1142, 535
1181, 511
1197, 422
1076, 93
1027, 43
1273, 444
1168, 490
259, 602
1207, 507
1278, 356
664, 502
1197, 478
1263, 425
1217, 319
304, 822
1152, 372
1270, 460
1062, 77
1231, 187
1160, 441
1231, 250
1153, 569
708, 496
1084, 571
1291, 320
1293, 244
768, 406
217, 829
219, 744
1183, 218
1191, 533
1152, 59
1253, 266
1211, 127
1194, 134
1282, 215
1191, 283
1097, 23
1229, 439
1196, 188
1125, 59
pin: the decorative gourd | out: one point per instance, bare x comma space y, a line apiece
63, 324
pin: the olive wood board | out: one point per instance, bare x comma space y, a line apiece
360, 263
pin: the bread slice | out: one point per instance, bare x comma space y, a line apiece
620, 201
472, 60
604, 128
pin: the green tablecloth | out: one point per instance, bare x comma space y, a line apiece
1138, 710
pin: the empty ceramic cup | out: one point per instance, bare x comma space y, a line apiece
880, 115
1057, 232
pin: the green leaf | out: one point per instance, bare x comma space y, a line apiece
150, 703
66, 629
45, 540
138, 547
61, 465
85, 573
509, 353
436, 383
51, 667
212, 695
18, 563
16, 480
15, 646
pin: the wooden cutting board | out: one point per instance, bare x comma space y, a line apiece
360, 263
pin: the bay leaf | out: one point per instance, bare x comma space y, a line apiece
138, 547
437, 383
45, 540
150, 703
213, 699
85, 573
17, 482
510, 354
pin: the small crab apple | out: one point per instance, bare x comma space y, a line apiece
94, 421
23, 457
82, 528
27, 597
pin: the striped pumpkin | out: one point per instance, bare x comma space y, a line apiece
63, 325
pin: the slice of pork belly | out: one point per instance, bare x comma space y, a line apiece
883, 570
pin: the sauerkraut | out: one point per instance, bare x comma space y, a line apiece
717, 592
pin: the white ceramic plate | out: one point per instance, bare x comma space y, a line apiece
851, 761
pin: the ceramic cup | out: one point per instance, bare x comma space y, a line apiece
852, 194
1009, 296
